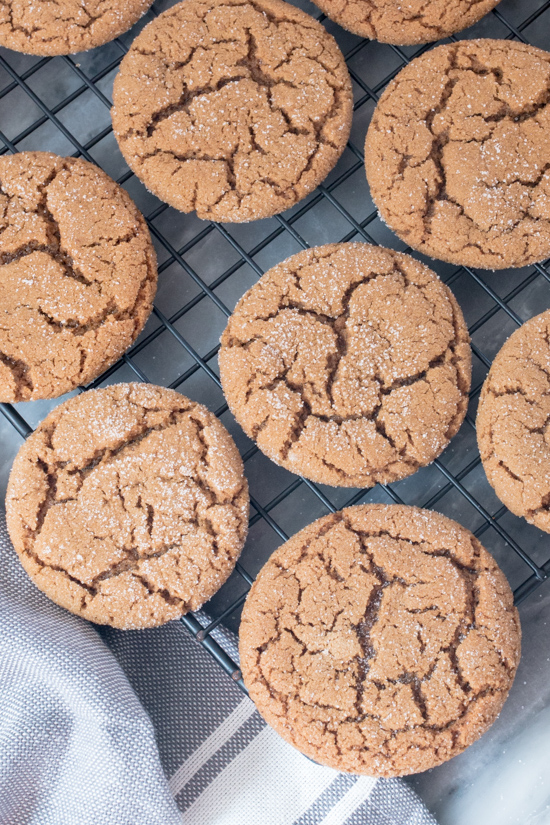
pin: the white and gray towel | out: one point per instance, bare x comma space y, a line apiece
77, 746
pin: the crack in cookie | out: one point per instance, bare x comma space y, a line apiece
348, 364
417, 21
128, 505
380, 640
512, 422
236, 109
65, 26
458, 154
78, 274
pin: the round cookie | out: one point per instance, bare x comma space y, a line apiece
380, 640
128, 505
513, 418
416, 21
78, 274
234, 108
51, 27
458, 154
348, 364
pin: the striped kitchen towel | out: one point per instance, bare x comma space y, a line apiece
226, 766
77, 746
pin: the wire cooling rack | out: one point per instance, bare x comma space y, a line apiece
62, 104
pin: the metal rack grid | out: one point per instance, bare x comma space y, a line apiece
62, 104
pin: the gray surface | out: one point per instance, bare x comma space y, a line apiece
209, 256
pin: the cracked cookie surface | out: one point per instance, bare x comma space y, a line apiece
51, 27
406, 23
458, 154
78, 274
234, 109
380, 640
128, 505
513, 421
348, 364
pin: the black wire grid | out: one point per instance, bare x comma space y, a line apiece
63, 104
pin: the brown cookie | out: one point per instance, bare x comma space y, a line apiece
512, 422
128, 505
458, 154
415, 21
78, 274
235, 108
348, 364
51, 27
380, 640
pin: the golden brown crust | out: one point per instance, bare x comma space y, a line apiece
51, 27
512, 422
235, 108
380, 640
458, 154
79, 274
348, 364
416, 21
128, 505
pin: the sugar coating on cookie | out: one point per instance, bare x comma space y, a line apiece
512, 422
458, 154
78, 274
380, 640
51, 27
128, 505
231, 108
406, 23
348, 364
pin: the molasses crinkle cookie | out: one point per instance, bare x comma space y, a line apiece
406, 23
236, 109
348, 364
128, 505
458, 154
78, 274
380, 640
50, 27
513, 422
